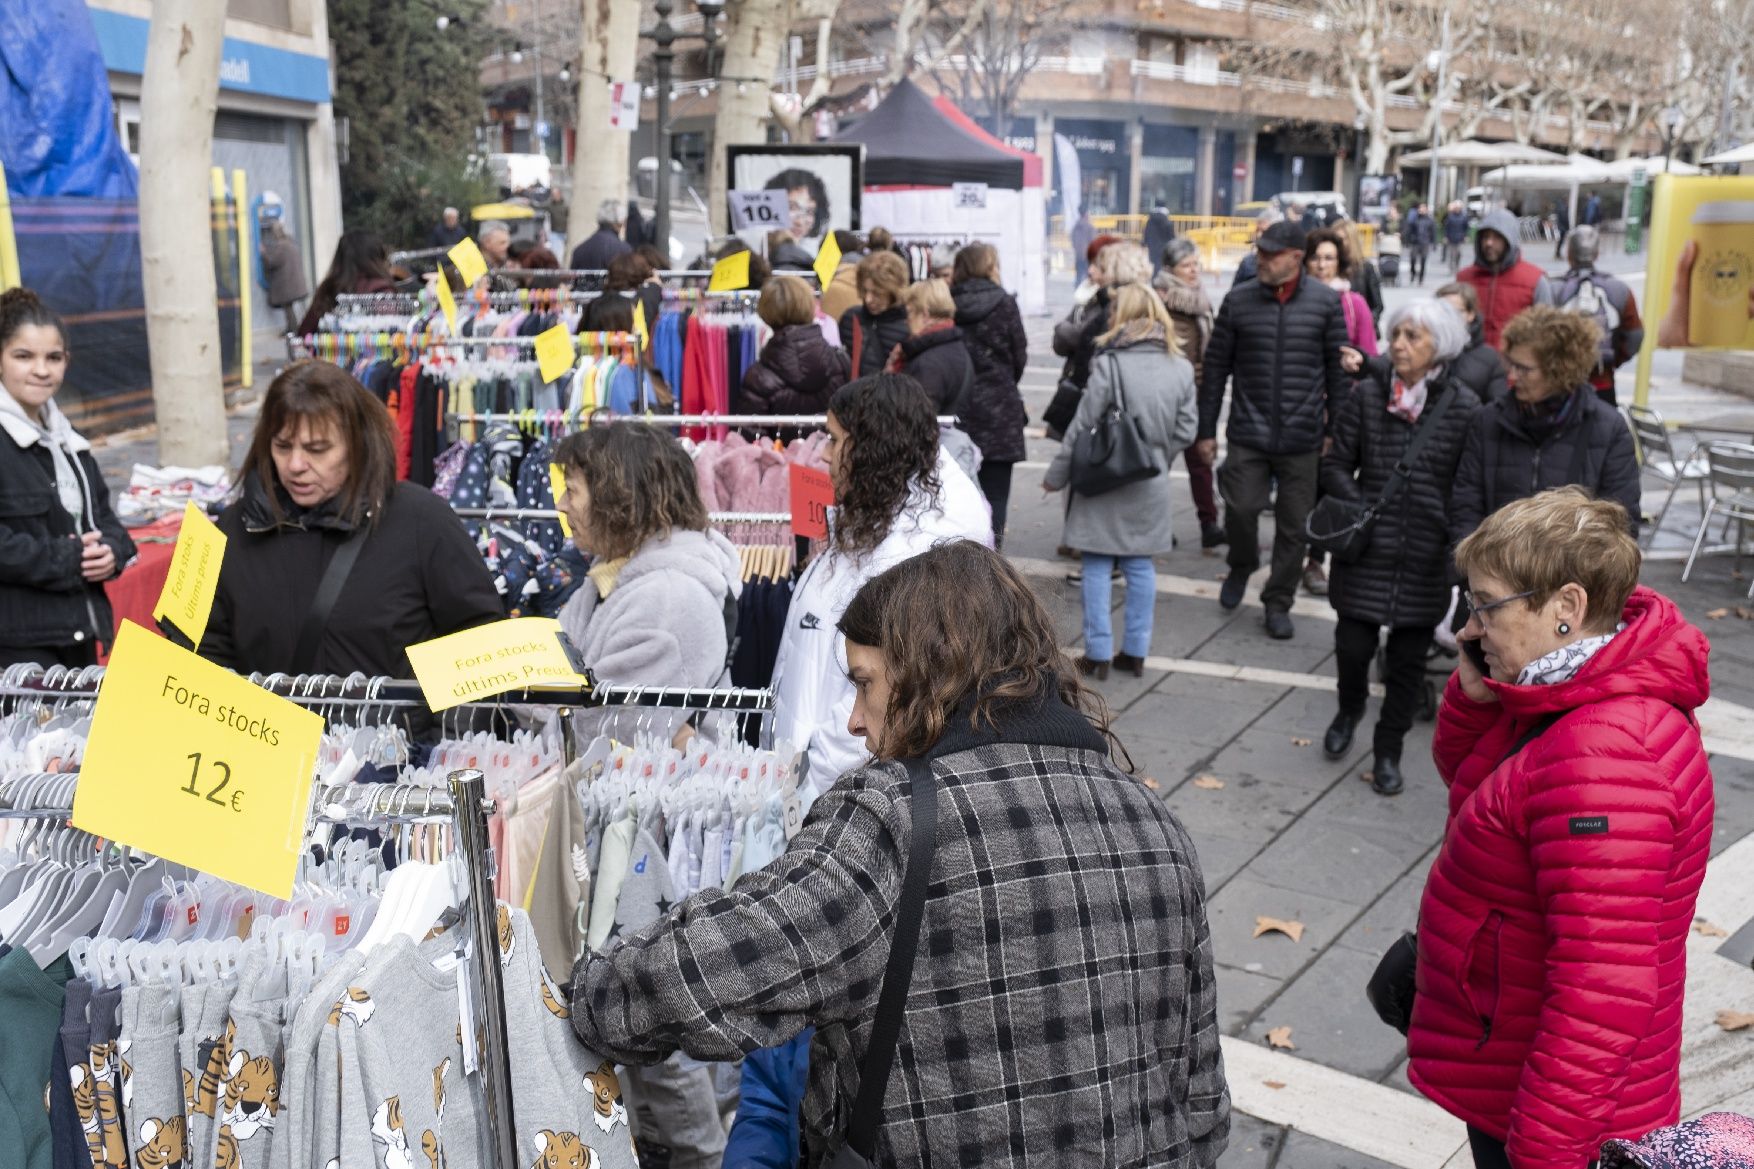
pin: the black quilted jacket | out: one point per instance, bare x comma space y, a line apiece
992, 328
1403, 578
1282, 362
797, 372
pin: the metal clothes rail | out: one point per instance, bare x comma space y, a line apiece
542, 513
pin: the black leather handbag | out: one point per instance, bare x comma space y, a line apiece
1342, 527
1113, 453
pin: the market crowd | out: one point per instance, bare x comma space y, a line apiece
987, 943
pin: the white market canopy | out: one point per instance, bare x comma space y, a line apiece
1622, 168
1577, 170
1473, 152
1743, 154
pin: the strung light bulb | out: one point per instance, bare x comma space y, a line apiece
444, 22
517, 56
703, 91
565, 74
742, 87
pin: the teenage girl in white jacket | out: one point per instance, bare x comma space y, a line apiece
896, 494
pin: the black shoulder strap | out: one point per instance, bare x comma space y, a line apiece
898, 975
1535, 731
1422, 435
310, 634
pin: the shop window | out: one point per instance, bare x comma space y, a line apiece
272, 13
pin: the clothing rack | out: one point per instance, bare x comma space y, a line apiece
538, 513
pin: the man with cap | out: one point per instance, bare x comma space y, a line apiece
1267, 218
1606, 300
1276, 344
1505, 282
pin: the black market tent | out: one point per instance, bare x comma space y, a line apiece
909, 142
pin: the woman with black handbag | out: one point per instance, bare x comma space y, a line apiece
1397, 439
1136, 416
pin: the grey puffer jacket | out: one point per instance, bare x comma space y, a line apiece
992, 329
1284, 360
1506, 459
1159, 392
1403, 578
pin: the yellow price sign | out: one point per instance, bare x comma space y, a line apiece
447, 303
557, 487
471, 264
555, 354
519, 654
193, 763
827, 261
730, 274
640, 328
186, 601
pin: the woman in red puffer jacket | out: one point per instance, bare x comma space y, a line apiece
1553, 929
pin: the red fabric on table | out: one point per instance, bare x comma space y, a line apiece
134, 593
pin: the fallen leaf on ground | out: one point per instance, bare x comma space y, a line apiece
1717, 614
1268, 925
1208, 783
1274, 1084
1300, 742
1151, 783
1701, 926
1734, 1020
1281, 1037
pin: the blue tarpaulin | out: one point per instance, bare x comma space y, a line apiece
57, 132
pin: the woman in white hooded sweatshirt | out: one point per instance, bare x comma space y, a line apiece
896, 494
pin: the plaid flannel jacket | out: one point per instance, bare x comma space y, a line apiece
1062, 1010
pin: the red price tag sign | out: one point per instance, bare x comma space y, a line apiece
812, 496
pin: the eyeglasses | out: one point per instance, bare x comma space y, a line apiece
1480, 610
1520, 369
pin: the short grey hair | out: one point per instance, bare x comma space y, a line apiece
611, 211
1125, 263
1269, 216
1438, 318
1177, 250
491, 226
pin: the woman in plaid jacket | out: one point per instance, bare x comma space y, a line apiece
1062, 1008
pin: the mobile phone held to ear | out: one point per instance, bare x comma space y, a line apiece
1471, 647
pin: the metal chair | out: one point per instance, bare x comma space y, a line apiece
1730, 468
1657, 456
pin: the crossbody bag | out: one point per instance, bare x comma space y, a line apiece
1342, 527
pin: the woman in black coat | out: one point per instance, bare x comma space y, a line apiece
798, 370
59, 539
933, 353
1478, 366
1402, 580
1551, 430
993, 415
871, 330
320, 481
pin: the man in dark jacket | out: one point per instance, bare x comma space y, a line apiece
1455, 234
1159, 230
1418, 236
993, 413
449, 232
1561, 228
594, 254
1246, 269
283, 268
1505, 282
1605, 299
1279, 338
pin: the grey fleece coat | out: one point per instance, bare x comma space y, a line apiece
1159, 391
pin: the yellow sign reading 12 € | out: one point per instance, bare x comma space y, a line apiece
187, 599
193, 763
555, 354
519, 654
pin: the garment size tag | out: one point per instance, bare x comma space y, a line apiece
730, 274
193, 763
187, 599
812, 496
520, 654
555, 353
471, 264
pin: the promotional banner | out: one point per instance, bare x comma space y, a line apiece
1700, 283
823, 185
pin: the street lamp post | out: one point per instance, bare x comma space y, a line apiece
1437, 116
664, 35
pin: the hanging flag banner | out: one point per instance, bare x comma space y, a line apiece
624, 105
731, 274
827, 260
187, 600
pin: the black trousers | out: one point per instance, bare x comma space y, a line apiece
1416, 258
995, 483
1246, 482
1354, 647
71, 656
1488, 1150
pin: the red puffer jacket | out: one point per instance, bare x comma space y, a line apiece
1553, 930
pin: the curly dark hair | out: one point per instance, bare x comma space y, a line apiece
962, 635
797, 178
1327, 235
20, 307
891, 446
641, 481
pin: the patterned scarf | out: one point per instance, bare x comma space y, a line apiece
1408, 401
1564, 663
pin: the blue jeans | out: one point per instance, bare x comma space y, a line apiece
1141, 578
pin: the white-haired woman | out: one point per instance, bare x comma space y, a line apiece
1401, 582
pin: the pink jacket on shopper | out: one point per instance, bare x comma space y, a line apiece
1553, 930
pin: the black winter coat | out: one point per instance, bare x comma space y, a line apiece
1501, 462
1075, 337
797, 372
939, 361
44, 601
418, 577
870, 339
596, 250
992, 328
1403, 578
1284, 360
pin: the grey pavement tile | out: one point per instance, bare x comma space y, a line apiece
1282, 757
1246, 808
1221, 856
1335, 859
1207, 711
1398, 1080
1232, 913
1302, 1151
1254, 1144
1240, 994
1393, 913
1331, 1021
1169, 762
1243, 642
1733, 787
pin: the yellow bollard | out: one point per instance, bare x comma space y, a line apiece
246, 334
10, 277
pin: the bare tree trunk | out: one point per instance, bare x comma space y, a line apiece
180, 94
608, 40
909, 23
794, 121
754, 34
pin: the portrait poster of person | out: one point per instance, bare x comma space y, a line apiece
821, 185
